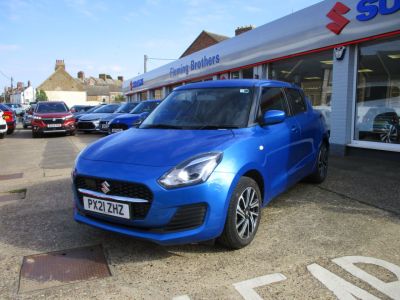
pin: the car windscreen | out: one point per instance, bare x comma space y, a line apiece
145, 107
107, 109
208, 108
126, 108
4, 107
50, 107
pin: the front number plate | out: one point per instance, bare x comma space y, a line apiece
100, 206
54, 125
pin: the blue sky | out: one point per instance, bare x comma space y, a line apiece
112, 36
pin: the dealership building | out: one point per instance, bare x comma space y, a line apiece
344, 55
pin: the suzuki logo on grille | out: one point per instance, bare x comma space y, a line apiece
337, 16
105, 187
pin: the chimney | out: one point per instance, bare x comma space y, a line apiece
121, 78
108, 76
102, 76
59, 64
81, 75
243, 29
29, 83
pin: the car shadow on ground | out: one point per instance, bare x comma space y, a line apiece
43, 222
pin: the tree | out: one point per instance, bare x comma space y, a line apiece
119, 98
41, 95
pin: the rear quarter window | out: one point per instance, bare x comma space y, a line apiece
296, 101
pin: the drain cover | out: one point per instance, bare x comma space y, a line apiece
47, 270
11, 176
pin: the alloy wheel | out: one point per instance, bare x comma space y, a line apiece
391, 135
247, 213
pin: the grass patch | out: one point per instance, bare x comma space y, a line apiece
18, 191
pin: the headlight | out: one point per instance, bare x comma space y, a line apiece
193, 171
37, 117
68, 117
137, 123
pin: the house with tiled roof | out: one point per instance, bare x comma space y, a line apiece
101, 89
61, 86
204, 40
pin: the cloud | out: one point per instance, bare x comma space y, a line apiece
252, 9
9, 48
87, 8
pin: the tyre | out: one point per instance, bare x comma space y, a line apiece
244, 214
35, 134
72, 133
25, 126
10, 131
2, 135
321, 169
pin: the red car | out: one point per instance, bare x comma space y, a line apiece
52, 117
9, 117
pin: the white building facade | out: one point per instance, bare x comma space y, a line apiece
345, 55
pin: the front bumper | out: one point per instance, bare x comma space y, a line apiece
65, 128
88, 126
169, 212
3, 128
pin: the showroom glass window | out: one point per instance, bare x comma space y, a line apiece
378, 92
313, 73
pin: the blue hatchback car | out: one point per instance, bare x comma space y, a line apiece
134, 118
203, 163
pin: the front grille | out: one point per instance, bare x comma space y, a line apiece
119, 188
187, 217
3, 126
53, 121
86, 125
119, 126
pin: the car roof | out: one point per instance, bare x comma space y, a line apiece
235, 83
46, 102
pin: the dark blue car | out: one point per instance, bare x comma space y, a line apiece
134, 118
203, 163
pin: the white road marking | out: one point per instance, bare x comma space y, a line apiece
391, 289
246, 288
342, 289
183, 297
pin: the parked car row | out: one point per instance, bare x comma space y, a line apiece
55, 117
114, 118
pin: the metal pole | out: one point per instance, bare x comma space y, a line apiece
145, 63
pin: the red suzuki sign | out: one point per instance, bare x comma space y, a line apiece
337, 16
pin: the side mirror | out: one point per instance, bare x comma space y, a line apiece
274, 117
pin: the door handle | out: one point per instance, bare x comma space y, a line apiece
295, 129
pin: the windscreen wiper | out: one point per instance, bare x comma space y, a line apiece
162, 126
217, 127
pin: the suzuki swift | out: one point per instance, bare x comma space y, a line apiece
203, 163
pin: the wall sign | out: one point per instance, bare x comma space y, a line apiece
136, 83
195, 65
369, 9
